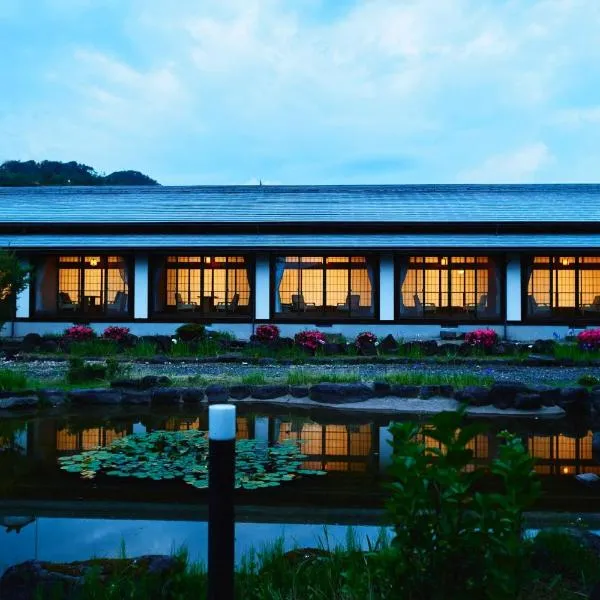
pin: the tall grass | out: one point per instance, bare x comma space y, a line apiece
13, 381
95, 347
457, 380
575, 353
254, 378
142, 349
306, 377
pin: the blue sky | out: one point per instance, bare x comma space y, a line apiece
306, 91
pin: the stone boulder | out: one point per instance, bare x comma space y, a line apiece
167, 395
550, 395
527, 401
446, 391
53, 397
31, 342
239, 392
502, 394
216, 393
382, 389
405, 391
340, 393
14, 400
299, 391
150, 381
50, 346
543, 347
388, 344
576, 401
95, 396
429, 391
269, 392
192, 395
473, 395
134, 397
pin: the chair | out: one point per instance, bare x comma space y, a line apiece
183, 306
537, 308
299, 305
352, 303
118, 304
480, 307
594, 306
231, 306
420, 307
65, 302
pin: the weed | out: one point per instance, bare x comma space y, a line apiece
95, 348
13, 381
254, 378
305, 377
457, 380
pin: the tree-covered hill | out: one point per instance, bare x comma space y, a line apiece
50, 172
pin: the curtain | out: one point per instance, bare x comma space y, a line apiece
403, 274
124, 275
158, 287
371, 276
279, 270
46, 288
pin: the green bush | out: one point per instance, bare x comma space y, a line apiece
452, 541
80, 371
588, 380
191, 332
12, 381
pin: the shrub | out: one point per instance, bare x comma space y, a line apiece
310, 340
589, 339
13, 279
79, 333
588, 380
482, 338
267, 333
364, 338
116, 334
191, 332
12, 381
80, 371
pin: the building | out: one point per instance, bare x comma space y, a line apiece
406, 260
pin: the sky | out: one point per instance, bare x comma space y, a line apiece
306, 91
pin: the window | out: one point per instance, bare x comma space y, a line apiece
563, 287
87, 285
324, 286
449, 287
196, 286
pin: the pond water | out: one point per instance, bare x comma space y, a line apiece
65, 517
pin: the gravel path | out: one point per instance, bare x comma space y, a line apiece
368, 372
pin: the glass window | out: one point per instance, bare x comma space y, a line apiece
338, 287
455, 287
197, 286
561, 287
94, 285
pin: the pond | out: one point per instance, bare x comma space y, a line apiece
55, 515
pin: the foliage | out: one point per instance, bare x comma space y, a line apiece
457, 380
452, 541
588, 380
13, 279
254, 378
79, 333
589, 339
116, 334
80, 371
142, 349
267, 333
482, 338
183, 455
94, 348
12, 381
306, 377
366, 337
310, 340
50, 172
191, 332
575, 353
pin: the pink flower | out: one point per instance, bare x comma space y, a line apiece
267, 333
589, 339
482, 338
310, 340
366, 337
79, 333
117, 334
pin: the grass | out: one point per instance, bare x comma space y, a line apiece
305, 377
95, 347
143, 349
456, 380
13, 381
575, 353
254, 378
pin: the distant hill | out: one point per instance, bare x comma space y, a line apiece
50, 172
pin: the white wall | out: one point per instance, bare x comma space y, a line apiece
386, 288
140, 300
262, 287
513, 288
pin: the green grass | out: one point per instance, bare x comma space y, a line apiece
305, 377
574, 352
143, 349
13, 381
95, 347
457, 380
254, 378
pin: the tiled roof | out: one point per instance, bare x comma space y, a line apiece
303, 204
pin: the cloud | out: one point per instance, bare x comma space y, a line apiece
518, 166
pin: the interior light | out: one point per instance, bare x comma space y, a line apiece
94, 260
565, 261
444, 261
566, 470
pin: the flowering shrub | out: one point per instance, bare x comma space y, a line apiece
589, 339
310, 340
366, 337
482, 338
79, 333
267, 333
116, 334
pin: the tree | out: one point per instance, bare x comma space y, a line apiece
13, 279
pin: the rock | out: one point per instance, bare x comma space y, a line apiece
230, 357
429, 391
216, 393
575, 400
14, 401
159, 359
332, 348
367, 349
589, 479
446, 391
238, 392
163, 343
266, 362
473, 395
543, 347
192, 395
550, 395
128, 384
388, 344
339, 393
381, 389
450, 334
53, 397
167, 395
95, 396
299, 391
35, 579
50, 346
502, 394
269, 392
527, 401
150, 381
136, 396
31, 342
405, 391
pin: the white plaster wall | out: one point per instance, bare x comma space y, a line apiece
513, 288
140, 300
386, 288
262, 287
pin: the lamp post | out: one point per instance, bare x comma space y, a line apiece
221, 485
